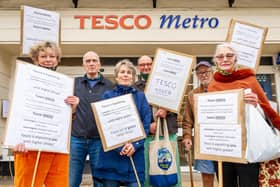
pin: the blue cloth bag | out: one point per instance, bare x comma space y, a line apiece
162, 158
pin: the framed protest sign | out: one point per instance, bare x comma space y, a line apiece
38, 25
248, 41
168, 79
118, 121
220, 132
38, 115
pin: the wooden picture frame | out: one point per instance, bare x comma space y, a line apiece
167, 82
220, 131
38, 25
248, 41
118, 121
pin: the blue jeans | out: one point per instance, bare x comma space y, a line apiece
79, 150
112, 183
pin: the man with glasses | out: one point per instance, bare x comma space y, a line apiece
204, 74
85, 139
145, 66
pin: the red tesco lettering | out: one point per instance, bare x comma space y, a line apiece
127, 22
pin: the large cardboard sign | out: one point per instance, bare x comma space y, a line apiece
220, 132
168, 79
38, 25
118, 121
38, 115
248, 40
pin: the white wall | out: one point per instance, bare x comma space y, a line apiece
5, 76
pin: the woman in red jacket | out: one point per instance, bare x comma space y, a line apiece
228, 77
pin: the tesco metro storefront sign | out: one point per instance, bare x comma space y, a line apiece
143, 21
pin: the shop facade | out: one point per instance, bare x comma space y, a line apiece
115, 34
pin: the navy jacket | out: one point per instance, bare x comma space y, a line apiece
84, 125
111, 165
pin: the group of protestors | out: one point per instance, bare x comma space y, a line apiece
114, 168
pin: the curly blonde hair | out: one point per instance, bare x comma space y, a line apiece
34, 51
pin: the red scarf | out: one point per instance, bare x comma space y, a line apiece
236, 75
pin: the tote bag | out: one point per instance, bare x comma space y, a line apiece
263, 140
162, 158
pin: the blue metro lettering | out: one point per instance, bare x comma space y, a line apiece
195, 22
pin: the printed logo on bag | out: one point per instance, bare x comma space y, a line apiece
164, 158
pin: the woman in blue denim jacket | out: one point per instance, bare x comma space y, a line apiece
114, 167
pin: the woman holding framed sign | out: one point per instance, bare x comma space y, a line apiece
114, 167
229, 77
36, 168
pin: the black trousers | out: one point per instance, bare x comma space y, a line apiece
239, 175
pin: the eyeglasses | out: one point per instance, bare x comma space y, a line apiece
146, 64
227, 55
203, 73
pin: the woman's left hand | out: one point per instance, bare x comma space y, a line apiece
161, 113
73, 101
128, 150
251, 98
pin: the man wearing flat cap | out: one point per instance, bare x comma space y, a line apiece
204, 73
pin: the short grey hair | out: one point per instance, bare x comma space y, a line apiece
128, 64
91, 52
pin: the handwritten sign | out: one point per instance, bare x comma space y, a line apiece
248, 41
220, 132
168, 80
38, 115
118, 121
38, 25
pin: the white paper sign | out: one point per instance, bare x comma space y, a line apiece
218, 108
247, 39
168, 79
247, 56
221, 140
39, 25
247, 35
220, 132
38, 115
118, 121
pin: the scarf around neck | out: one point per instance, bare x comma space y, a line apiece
125, 89
236, 75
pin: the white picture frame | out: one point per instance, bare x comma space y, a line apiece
38, 115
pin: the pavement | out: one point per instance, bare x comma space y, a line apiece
6, 181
